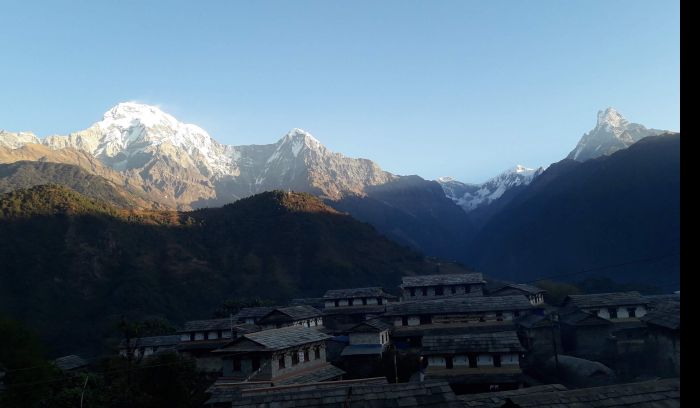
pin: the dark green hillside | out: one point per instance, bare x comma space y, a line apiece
580, 216
71, 266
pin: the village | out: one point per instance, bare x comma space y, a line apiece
446, 340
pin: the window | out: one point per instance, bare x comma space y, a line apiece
295, 358
280, 362
453, 289
306, 355
424, 291
448, 362
255, 361
404, 321
413, 292
317, 352
612, 312
496, 360
426, 320
439, 291
236, 364
632, 311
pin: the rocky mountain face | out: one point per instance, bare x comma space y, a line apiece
181, 165
473, 196
177, 165
612, 133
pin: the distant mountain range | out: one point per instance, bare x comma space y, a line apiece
148, 159
473, 196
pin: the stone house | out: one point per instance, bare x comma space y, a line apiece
345, 308
198, 338
611, 306
664, 338
413, 320
251, 315
437, 286
302, 315
474, 361
289, 355
142, 347
534, 294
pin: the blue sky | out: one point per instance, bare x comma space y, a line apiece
461, 88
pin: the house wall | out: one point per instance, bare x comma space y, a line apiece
484, 360
622, 312
303, 364
436, 361
462, 361
665, 350
510, 359
364, 338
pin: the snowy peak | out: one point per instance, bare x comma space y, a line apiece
15, 140
611, 118
473, 196
612, 133
127, 114
298, 139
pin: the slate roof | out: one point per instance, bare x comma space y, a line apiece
530, 289
278, 339
450, 329
494, 342
374, 291
437, 280
460, 305
649, 394
70, 362
373, 325
315, 302
324, 373
254, 312
497, 399
154, 341
581, 318
362, 350
207, 325
606, 299
428, 394
358, 309
667, 315
297, 312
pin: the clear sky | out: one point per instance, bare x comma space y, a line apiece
461, 88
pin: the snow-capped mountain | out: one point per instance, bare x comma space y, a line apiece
180, 164
13, 140
612, 133
473, 196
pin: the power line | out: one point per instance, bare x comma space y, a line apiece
609, 266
